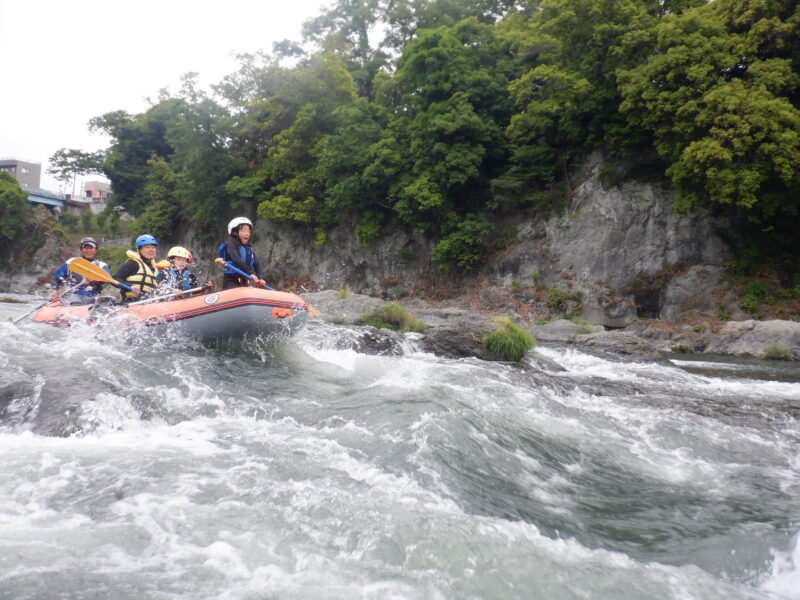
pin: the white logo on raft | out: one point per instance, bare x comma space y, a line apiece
211, 298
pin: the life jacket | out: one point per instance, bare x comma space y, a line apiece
245, 253
178, 279
146, 277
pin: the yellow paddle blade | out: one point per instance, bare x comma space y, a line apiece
163, 264
313, 311
83, 267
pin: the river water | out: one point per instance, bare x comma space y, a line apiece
139, 468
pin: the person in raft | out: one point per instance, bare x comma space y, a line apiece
178, 277
140, 273
82, 290
238, 251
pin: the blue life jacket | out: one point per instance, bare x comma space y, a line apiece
180, 280
245, 253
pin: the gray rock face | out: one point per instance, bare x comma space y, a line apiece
36, 273
607, 239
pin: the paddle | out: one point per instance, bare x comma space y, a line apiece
38, 306
81, 266
312, 311
230, 265
165, 296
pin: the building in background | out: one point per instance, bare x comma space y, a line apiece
29, 174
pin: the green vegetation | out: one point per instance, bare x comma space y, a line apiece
16, 213
508, 340
583, 326
343, 293
464, 114
776, 351
393, 317
112, 256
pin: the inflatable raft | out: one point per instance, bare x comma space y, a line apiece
218, 315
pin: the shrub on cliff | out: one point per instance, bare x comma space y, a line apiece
509, 341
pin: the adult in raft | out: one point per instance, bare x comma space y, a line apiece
238, 251
140, 273
81, 290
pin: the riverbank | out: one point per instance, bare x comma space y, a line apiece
454, 329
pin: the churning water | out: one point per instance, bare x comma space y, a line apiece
135, 468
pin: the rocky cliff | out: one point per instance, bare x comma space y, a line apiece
617, 252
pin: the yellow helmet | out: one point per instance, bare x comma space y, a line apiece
179, 251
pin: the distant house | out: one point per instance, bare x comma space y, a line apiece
29, 174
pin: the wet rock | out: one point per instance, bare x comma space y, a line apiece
620, 343
378, 342
560, 330
347, 310
459, 339
750, 338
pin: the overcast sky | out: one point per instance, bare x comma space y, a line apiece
67, 61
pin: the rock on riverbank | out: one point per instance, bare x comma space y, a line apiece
455, 330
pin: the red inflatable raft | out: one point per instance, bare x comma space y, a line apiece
230, 313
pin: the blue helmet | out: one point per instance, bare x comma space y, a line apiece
144, 240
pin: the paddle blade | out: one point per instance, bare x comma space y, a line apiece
83, 267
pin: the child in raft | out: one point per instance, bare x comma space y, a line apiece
178, 277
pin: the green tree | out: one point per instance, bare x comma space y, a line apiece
162, 213
719, 94
567, 97
66, 164
15, 210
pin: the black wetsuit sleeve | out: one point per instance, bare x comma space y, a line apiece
127, 269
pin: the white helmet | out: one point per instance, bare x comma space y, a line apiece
234, 225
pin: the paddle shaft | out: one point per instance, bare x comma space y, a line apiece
164, 297
38, 306
240, 272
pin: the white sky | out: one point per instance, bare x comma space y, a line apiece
63, 62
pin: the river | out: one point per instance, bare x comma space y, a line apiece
140, 468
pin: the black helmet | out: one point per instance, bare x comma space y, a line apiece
88, 240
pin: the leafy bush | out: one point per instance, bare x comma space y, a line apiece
776, 351
556, 300
755, 292
15, 211
112, 255
368, 228
509, 341
393, 317
69, 221
465, 247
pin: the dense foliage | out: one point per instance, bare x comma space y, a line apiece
442, 116
15, 210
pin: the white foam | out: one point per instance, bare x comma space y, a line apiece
784, 577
